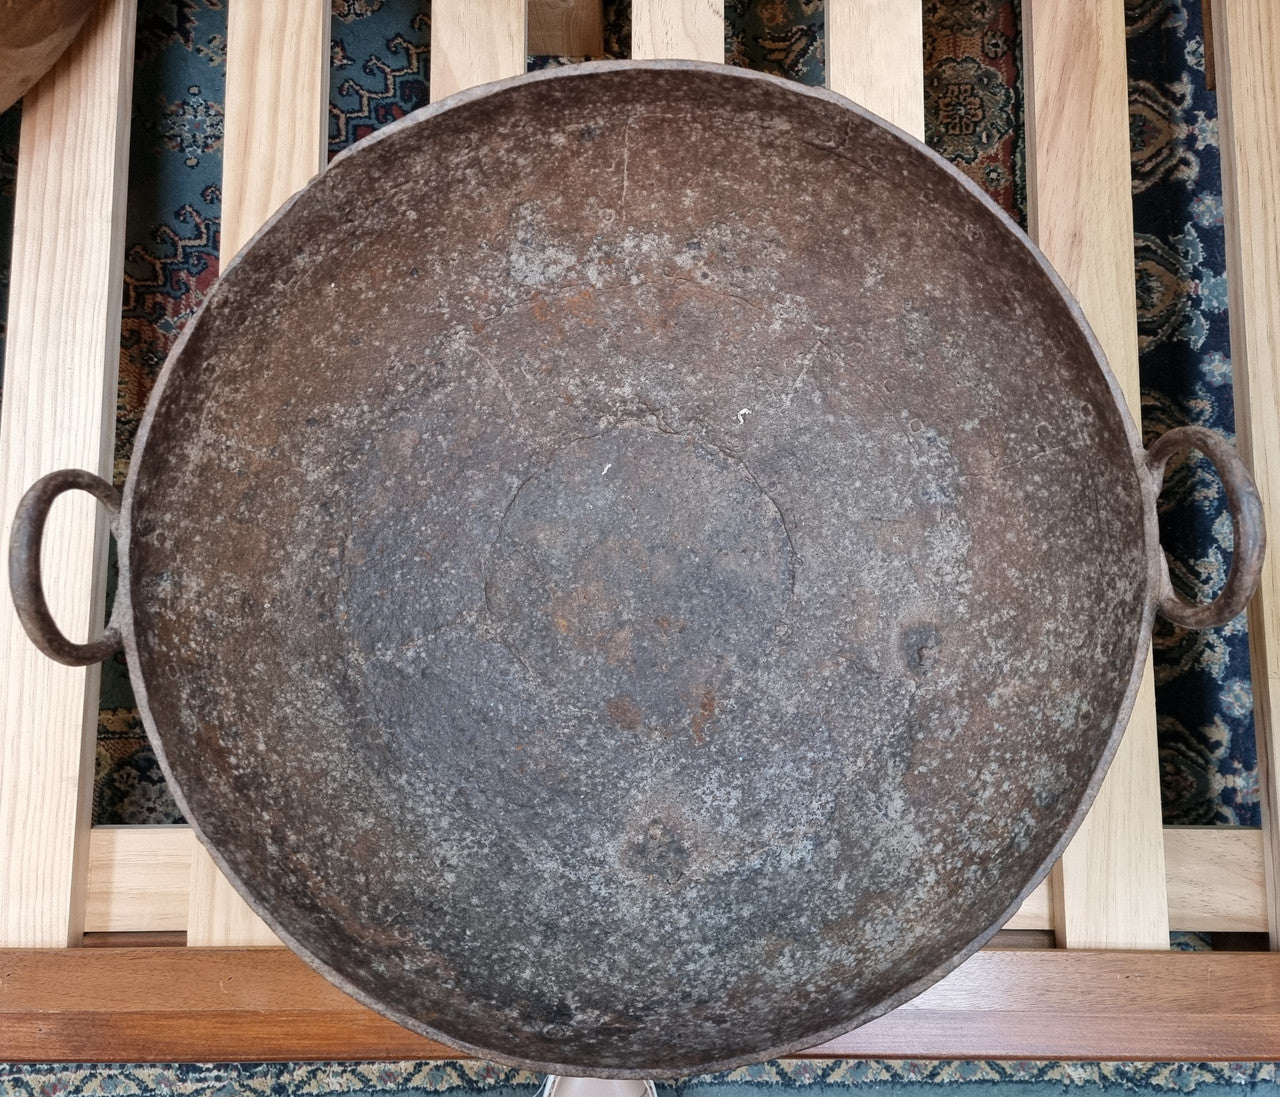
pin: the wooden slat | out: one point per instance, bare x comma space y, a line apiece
259, 1004
1110, 885
1059, 1004
277, 110
1216, 879
689, 29
888, 77
216, 915
1036, 911
476, 42
566, 28
59, 412
186, 1004
275, 138
1246, 43
1215, 883
139, 879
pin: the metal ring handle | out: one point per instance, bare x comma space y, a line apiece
1247, 521
25, 581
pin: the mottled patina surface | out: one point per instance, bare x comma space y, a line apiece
671, 616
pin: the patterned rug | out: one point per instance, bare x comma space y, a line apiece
818, 1078
974, 117
974, 108
1205, 703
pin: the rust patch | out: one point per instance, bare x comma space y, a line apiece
624, 711
704, 715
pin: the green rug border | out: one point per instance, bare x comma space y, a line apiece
408, 1079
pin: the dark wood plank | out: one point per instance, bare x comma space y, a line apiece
211, 1036
1022, 939
1183, 1036
146, 939
167, 1004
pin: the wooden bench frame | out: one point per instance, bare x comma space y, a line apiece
1111, 990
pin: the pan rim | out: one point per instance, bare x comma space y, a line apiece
904, 994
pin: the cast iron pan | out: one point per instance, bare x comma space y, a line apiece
637, 569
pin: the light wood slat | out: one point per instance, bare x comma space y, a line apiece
59, 412
1036, 911
1110, 885
1215, 883
275, 135
275, 140
1246, 44
216, 915
566, 28
875, 56
1216, 879
139, 879
476, 42
689, 29
176, 1004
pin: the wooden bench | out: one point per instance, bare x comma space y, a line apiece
1111, 989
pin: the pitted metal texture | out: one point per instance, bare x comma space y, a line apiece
637, 570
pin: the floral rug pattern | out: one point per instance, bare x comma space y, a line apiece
974, 117
821, 1078
1209, 767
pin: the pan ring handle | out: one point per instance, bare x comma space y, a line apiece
1247, 521
25, 580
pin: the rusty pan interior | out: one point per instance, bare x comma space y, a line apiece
636, 569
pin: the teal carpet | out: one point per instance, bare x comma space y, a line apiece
817, 1078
